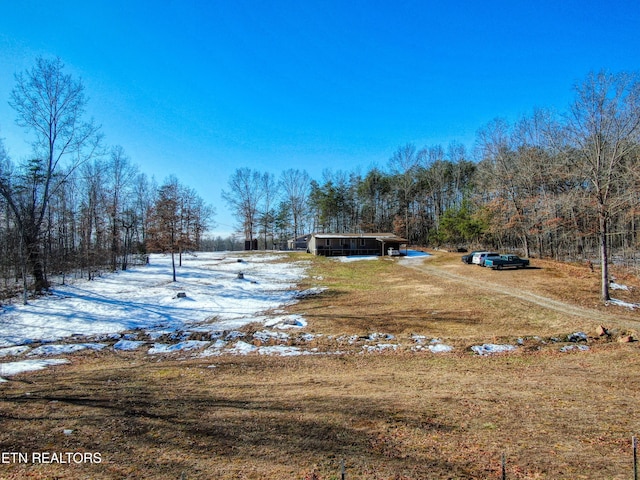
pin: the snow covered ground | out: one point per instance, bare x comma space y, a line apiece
146, 298
141, 309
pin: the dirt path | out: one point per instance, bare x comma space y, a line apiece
542, 301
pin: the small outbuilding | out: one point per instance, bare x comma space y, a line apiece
335, 244
298, 243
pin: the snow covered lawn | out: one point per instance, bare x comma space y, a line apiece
146, 298
145, 301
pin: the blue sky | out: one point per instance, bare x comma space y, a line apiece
200, 88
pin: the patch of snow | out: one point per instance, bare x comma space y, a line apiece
282, 350
356, 258
417, 253
379, 347
177, 347
214, 349
352, 339
156, 334
491, 348
307, 337
214, 334
377, 336
621, 303
14, 368
127, 345
267, 335
286, 321
234, 335
413, 255
440, 348
242, 348
569, 348
107, 336
617, 286
142, 298
309, 292
61, 349
13, 351
266, 257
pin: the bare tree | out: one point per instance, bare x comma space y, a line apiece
92, 215
500, 154
164, 228
144, 191
120, 174
194, 218
603, 130
243, 197
267, 210
49, 105
296, 188
403, 165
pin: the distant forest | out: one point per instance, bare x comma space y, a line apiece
563, 185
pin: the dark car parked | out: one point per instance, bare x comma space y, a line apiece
505, 261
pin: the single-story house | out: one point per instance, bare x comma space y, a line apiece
330, 244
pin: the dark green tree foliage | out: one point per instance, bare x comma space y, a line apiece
375, 194
459, 226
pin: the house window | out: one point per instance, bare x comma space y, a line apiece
328, 242
363, 242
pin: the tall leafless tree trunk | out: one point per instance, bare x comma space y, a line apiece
296, 187
603, 130
243, 197
49, 105
403, 165
120, 174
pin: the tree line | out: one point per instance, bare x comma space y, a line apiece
561, 185
75, 206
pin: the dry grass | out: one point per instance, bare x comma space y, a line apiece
389, 416
365, 297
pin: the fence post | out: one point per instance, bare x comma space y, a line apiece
504, 467
343, 474
634, 443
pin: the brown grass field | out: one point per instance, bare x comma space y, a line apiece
398, 414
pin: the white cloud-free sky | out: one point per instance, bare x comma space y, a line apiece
200, 88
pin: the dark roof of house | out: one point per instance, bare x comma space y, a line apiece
387, 237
